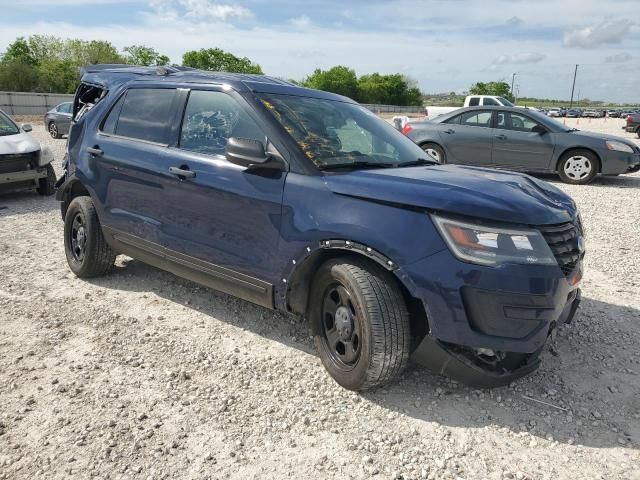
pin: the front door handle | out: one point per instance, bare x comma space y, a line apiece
182, 173
95, 151
450, 131
501, 137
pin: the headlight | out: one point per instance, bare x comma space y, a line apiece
492, 245
619, 146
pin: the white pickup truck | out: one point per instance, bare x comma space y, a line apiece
470, 101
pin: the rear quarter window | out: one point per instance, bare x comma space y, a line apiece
145, 114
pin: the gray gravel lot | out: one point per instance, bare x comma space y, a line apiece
143, 375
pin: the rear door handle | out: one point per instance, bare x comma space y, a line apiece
501, 137
182, 172
95, 151
450, 131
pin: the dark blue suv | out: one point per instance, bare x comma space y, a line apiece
305, 202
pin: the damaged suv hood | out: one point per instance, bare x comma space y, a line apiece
476, 192
18, 143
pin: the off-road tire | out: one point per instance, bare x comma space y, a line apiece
382, 316
53, 130
98, 258
593, 159
436, 148
47, 186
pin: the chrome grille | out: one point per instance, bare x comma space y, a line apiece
563, 241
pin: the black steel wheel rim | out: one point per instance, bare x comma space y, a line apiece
341, 326
78, 238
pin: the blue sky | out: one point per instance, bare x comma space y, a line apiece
446, 45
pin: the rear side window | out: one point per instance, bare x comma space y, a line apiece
474, 101
64, 108
475, 119
211, 118
146, 114
490, 101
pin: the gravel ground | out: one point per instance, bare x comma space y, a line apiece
143, 375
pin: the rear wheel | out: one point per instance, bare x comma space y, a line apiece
360, 323
578, 167
88, 253
434, 151
53, 130
47, 186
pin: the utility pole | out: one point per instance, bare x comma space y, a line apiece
575, 72
513, 77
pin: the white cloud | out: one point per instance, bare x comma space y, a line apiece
519, 58
605, 32
301, 22
619, 58
210, 9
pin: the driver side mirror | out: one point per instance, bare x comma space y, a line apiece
26, 127
250, 153
539, 129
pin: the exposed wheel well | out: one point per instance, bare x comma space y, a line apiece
574, 149
76, 189
299, 286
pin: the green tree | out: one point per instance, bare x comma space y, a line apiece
217, 60
145, 56
58, 76
340, 80
501, 89
393, 89
17, 76
19, 51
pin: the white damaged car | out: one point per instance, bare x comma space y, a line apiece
23, 163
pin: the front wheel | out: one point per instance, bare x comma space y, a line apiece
578, 167
360, 323
88, 253
435, 152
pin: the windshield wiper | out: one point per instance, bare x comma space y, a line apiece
418, 162
356, 165
573, 130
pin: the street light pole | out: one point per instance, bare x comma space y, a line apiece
575, 72
513, 77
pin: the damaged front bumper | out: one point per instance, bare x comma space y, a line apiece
451, 360
474, 312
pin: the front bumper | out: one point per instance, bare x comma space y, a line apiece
24, 176
509, 308
620, 162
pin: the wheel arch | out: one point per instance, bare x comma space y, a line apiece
571, 149
69, 190
301, 278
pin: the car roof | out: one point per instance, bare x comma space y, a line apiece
113, 75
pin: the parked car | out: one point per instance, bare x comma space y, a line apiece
23, 163
58, 120
591, 113
555, 112
573, 113
305, 202
633, 123
513, 139
614, 113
